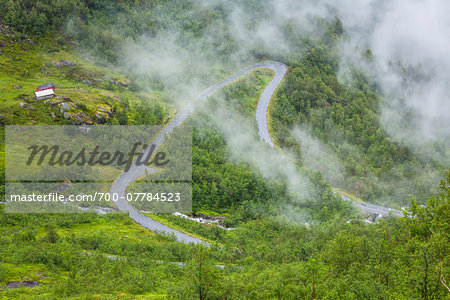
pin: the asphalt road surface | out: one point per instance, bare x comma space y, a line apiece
374, 209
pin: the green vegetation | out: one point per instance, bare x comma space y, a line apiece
346, 120
206, 232
94, 94
243, 95
285, 246
83, 254
86, 255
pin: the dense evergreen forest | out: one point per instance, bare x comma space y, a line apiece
282, 245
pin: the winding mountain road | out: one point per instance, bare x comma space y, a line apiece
135, 171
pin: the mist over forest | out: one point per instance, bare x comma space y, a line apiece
350, 202
379, 44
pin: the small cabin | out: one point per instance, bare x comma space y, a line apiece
44, 94
46, 86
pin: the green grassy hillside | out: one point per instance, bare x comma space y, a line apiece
85, 93
285, 245
84, 255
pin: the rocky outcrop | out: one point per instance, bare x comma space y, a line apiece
78, 118
61, 63
22, 283
101, 117
78, 112
105, 109
88, 82
106, 77
64, 106
26, 106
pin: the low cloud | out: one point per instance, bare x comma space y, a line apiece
318, 157
240, 135
410, 44
410, 66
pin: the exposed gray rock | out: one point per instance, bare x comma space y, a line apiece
67, 63
17, 86
109, 79
87, 82
105, 109
64, 106
26, 106
22, 283
78, 118
100, 118
62, 63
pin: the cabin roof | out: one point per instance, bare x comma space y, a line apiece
48, 85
